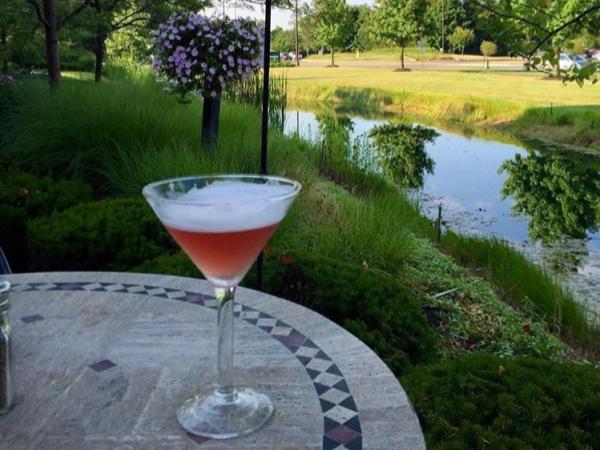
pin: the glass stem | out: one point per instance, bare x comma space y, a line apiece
225, 343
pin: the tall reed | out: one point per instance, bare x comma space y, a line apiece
250, 92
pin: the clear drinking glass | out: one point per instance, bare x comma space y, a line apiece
222, 222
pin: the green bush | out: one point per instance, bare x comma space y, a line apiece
24, 196
484, 402
39, 196
112, 234
374, 307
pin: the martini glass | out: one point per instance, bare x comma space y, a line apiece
222, 222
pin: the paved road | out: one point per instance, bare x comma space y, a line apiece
503, 64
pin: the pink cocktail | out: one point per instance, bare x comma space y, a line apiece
222, 223
223, 256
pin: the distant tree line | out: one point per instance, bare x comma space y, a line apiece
82, 34
516, 27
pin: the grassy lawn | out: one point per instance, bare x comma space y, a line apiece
568, 113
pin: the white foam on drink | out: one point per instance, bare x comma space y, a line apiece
225, 206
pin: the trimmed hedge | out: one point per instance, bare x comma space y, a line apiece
374, 307
115, 234
39, 196
23, 197
484, 402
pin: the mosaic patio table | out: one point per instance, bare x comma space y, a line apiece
103, 360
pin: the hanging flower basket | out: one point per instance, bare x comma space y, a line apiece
195, 53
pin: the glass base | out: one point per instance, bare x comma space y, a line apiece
214, 416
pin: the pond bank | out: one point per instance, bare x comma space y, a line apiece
554, 226
556, 113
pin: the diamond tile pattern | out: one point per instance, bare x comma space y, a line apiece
340, 415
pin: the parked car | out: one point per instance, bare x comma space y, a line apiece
292, 56
284, 56
565, 62
581, 61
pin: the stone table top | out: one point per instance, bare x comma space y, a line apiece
103, 360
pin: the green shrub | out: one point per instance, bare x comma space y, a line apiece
374, 307
24, 196
484, 402
104, 235
39, 196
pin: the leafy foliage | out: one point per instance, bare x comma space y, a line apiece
104, 235
332, 24
23, 197
400, 21
374, 307
488, 49
402, 152
482, 402
444, 15
460, 38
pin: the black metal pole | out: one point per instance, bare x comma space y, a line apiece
265, 121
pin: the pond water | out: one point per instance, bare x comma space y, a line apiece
545, 202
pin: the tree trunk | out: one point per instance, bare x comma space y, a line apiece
402, 56
51, 31
296, 35
487, 62
99, 45
210, 122
3, 42
332, 58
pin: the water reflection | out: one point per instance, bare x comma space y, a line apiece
560, 196
335, 131
402, 154
396, 151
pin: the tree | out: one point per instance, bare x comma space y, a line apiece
361, 36
488, 49
282, 40
440, 17
53, 22
460, 38
16, 33
307, 25
545, 25
333, 24
399, 22
105, 17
